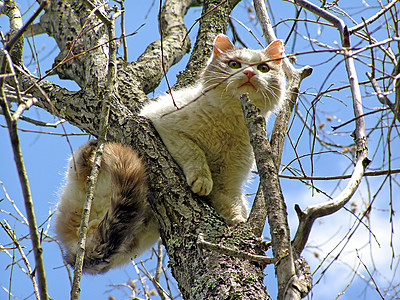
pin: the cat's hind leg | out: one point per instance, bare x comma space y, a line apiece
231, 205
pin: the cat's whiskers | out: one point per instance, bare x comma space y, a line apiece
273, 97
219, 68
266, 98
214, 80
228, 86
219, 72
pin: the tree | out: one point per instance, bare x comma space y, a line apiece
207, 258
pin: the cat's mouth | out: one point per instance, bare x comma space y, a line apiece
247, 84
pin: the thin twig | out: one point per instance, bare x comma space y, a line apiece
18, 157
382, 97
12, 236
373, 18
24, 220
161, 292
371, 173
159, 253
203, 244
91, 184
162, 54
145, 293
248, 29
370, 275
311, 213
124, 44
361, 116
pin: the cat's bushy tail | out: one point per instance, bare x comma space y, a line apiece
122, 224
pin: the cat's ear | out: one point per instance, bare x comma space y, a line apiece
222, 44
275, 51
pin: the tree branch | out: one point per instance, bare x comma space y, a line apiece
310, 214
148, 69
12, 236
214, 21
62, 21
17, 37
135, 79
274, 203
203, 244
373, 18
382, 97
335, 21
294, 76
16, 146
289, 283
258, 213
92, 180
24, 181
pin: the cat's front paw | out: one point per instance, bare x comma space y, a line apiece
200, 183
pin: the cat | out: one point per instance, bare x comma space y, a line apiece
121, 224
207, 135
204, 130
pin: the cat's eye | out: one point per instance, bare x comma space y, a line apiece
234, 64
263, 68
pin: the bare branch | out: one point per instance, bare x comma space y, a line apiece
125, 46
12, 236
161, 292
12, 127
383, 98
337, 22
288, 282
294, 76
203, 244
258, 213
308, 216
156, 279
105, 112
274, 203
19, 161
214, 21
366, 174
148, 67
373, 18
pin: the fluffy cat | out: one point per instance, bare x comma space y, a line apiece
121, 224
207, 137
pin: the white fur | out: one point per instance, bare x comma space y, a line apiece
138, 233
207, 134
69, 207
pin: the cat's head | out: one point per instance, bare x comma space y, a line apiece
234, 71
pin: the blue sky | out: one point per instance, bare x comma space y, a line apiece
46, 157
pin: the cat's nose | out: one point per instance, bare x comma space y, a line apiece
249, 73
